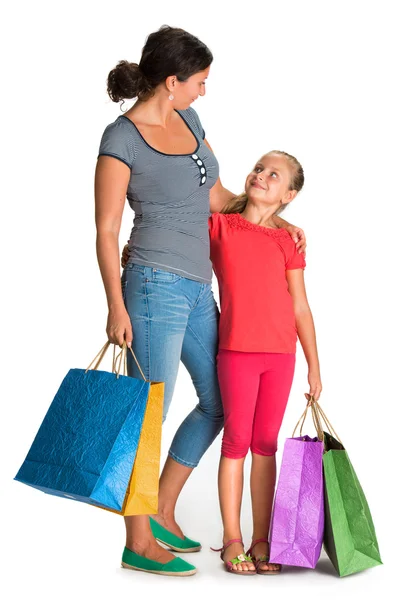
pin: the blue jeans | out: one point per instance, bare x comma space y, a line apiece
173, 319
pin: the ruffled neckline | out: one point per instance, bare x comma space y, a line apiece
236, 220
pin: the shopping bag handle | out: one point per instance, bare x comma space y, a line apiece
317, 423
118, 361
320, 415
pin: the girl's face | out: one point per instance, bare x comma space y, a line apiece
185, 92
269, 181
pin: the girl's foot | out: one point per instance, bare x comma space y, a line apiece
234, 551
259, 551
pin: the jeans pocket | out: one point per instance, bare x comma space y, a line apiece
160, 276
136, 268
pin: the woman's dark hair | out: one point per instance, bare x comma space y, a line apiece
168, 51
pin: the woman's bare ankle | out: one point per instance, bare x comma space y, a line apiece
150, 549
141, 546
166, 513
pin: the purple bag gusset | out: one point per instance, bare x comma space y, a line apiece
297, 523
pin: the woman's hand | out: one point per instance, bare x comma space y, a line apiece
298, 236
119, 327
125, 256
316, 387
295, 232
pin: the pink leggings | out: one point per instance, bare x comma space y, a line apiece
254, 387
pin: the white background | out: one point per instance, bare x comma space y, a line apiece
332, 83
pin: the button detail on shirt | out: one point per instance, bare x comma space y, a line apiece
202, 168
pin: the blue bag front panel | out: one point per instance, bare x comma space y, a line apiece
82, 428
110, 489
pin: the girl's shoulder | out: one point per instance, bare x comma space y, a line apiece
236, 221
214, 222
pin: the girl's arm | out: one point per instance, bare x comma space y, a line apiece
111, 181
305, 328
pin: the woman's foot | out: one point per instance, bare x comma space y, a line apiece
146, 561
174, 542
236, 550
151, 550
168, 521
260, 554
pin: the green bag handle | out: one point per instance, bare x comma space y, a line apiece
320, 415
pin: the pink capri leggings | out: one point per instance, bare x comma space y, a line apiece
254, 387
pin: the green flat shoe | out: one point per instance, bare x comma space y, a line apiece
174, 568
171, 540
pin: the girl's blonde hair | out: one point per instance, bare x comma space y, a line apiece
238, 204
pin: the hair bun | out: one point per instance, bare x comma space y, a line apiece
123, 81
168, 51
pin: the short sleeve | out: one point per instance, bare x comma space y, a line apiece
213, 225
293, 260
194, 121
118, 141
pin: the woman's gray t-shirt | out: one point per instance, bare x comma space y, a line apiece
169, 194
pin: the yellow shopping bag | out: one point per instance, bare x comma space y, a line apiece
142, 493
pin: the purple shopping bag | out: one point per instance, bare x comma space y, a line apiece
297, 523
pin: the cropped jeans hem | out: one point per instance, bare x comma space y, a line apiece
181, 461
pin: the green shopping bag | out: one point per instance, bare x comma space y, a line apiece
349, 534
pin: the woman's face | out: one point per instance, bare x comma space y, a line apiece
185, 92
269, 181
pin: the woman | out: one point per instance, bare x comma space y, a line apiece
156, 154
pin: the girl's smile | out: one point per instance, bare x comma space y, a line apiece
256, 184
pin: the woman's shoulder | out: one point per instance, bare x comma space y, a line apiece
121, 126
118, 140
193, 120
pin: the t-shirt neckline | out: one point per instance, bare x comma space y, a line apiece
256, 225
164, 153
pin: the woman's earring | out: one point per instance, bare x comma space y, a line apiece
170, 97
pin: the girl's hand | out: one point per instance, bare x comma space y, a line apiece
119, 327
298, 236
314, 381
125, 256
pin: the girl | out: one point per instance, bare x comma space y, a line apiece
263, 308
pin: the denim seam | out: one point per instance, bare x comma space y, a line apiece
201, 344
147, 332
200, 293
181, 461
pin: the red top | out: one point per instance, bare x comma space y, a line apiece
250, 261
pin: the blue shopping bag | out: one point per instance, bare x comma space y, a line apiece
86, 445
